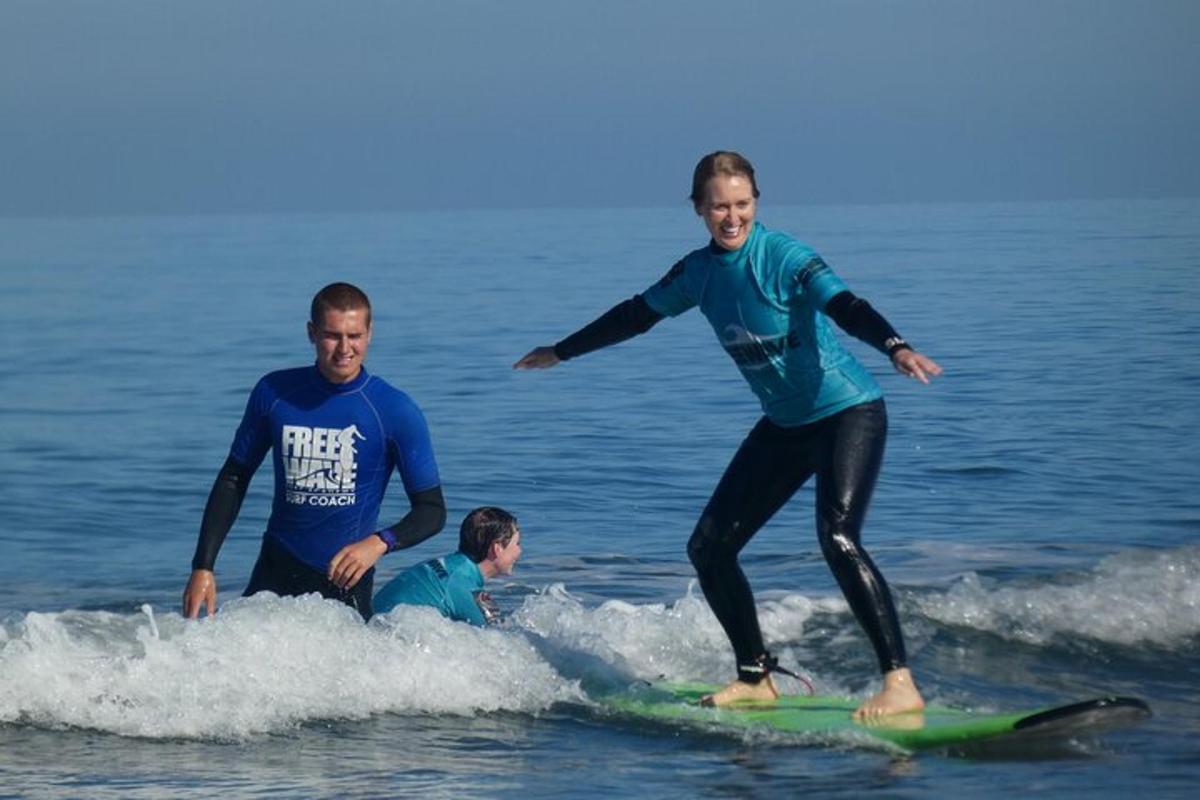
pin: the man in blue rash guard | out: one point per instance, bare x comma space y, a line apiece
336, 433
768, 298
489, 544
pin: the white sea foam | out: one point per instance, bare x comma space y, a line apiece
681, 641
266, 664
1133, 597
262, 664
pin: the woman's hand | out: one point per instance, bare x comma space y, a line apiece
914, 365
538, 358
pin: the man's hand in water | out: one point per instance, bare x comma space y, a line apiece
200, 592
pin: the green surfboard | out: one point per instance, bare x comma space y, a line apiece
934, 728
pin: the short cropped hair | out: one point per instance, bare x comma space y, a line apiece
481, 528
339, 297
720, 162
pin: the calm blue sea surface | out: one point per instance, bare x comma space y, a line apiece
1038, 515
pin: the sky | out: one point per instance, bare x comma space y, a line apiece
228, 106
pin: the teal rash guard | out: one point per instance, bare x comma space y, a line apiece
451, 584
766, 301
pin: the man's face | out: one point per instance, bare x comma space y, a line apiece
341, 341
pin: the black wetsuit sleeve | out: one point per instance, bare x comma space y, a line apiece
623, 321
224, 502
426, 517
856, 317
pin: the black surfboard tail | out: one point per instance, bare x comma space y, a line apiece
1088, 716
1063, 732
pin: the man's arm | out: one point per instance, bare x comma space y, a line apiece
220, 512
426, 517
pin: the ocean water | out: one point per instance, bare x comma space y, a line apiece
1038, 515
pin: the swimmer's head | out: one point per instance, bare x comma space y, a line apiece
489, 536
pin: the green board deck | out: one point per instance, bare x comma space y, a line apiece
929, 730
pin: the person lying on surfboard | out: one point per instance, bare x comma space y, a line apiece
489, 544
768, 298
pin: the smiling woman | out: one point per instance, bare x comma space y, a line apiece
767, 297
725, 195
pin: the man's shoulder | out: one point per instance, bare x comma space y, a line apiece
387, 395
287, 378
282, 382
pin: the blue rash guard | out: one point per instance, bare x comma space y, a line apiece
335, 447
765, 301
450, 584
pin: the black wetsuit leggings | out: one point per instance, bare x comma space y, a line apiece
280, 572
844, 451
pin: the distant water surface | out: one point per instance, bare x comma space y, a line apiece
1037, 515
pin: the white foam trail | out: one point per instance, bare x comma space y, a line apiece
1131, 598
681, 641
266, 664
262, 664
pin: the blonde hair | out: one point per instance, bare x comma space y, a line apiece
720, 162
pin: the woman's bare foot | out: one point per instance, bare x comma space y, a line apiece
899, 695
739, 692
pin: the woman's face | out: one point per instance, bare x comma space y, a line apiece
728, 209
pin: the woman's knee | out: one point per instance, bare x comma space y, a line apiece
837, 545
711, 544
839, 539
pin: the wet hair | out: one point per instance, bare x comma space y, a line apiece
339, 297
481, 528
720, 162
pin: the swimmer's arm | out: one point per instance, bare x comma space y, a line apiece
623, 321
224, 502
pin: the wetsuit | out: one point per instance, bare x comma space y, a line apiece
334, 448
769, 303
452, 584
